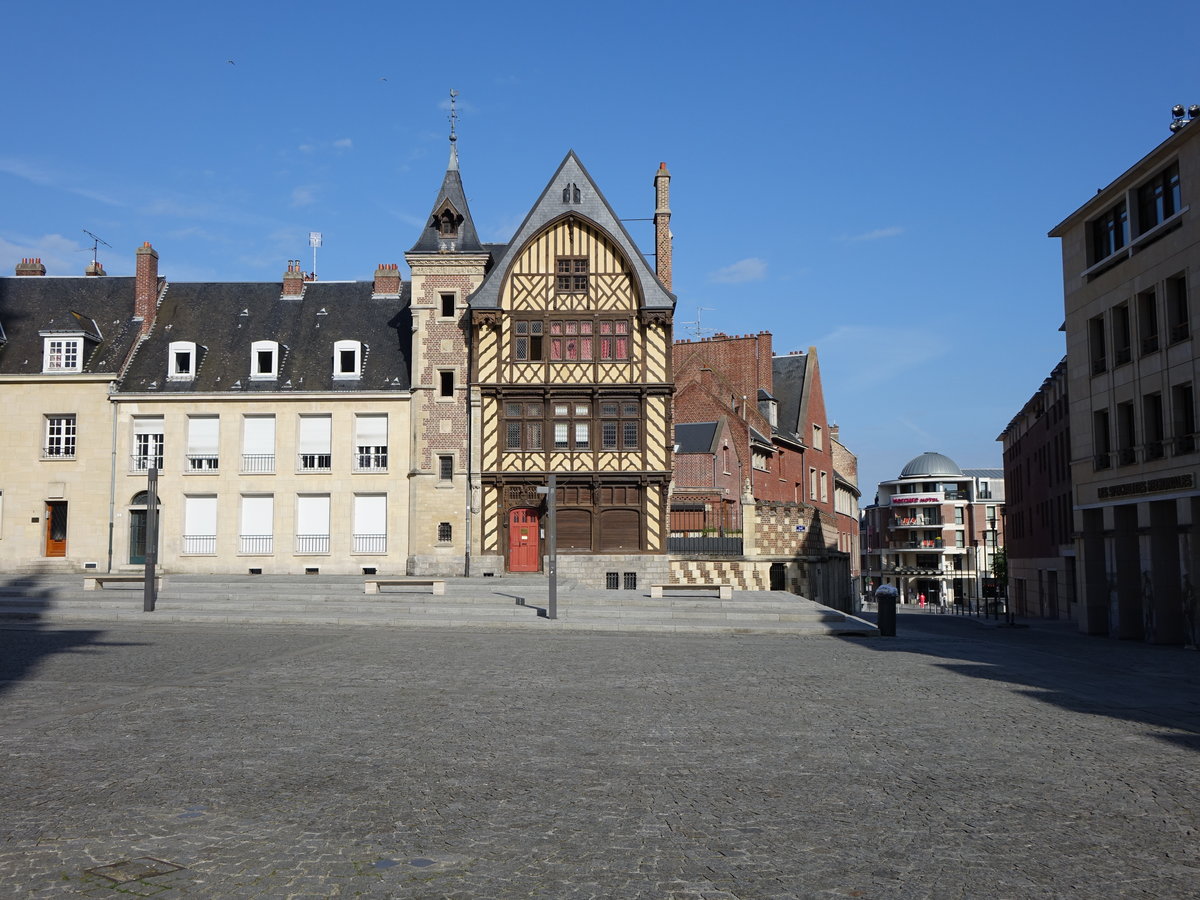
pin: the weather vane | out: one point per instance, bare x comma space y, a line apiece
453, 113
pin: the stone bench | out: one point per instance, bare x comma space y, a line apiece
722, 591
97, 582
435, 585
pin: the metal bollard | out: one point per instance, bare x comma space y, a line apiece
885, 605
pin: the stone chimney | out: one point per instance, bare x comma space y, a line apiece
293, 279
662, 225
387, 279
145, 286
31, 265
94, 269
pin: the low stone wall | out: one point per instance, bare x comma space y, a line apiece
591, 570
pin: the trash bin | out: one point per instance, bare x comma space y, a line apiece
885, 604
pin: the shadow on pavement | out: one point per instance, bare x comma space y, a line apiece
1155, 685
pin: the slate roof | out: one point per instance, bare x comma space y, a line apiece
452, 190
788, 374
983, 473
32, 304
593, 206
224, 319
695, 437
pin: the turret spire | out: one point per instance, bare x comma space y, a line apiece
452, 166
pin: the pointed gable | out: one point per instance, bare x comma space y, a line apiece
449, 228
572, 192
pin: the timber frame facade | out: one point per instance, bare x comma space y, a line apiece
571, 375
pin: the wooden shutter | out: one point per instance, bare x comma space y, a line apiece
620, 530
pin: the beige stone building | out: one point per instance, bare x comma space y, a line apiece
1131, 259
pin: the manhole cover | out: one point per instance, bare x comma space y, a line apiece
134, 869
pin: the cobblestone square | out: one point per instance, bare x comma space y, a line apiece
955, 760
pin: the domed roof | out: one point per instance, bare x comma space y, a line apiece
931, 464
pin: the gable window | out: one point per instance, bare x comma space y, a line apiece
60, 437
264, 359
315, 440
370, 442
447, 222
347, 356
572, 274
147, 443
570, 193
523, 424
447, 305
1159, 198
527, 340
181, 360
619, 425
63, 355
1110, 232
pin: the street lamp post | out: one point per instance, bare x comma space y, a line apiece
551, 490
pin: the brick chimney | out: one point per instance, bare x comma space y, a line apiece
293, 279
662, 225
387, 279
31, 265
94, 269
145, 286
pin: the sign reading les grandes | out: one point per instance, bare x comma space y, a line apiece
907, 499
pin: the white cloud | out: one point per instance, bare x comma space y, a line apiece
750, 269
304, 195
877, 234
343, 143
60, 255
21, 169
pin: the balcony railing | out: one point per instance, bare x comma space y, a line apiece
67, 452
256, 543
202, 462
142, 462
313, 462
918, 522
258, 463
312, 543
199, 544
371, 459
370, 543
717, 546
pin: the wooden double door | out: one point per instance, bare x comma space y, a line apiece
524, 540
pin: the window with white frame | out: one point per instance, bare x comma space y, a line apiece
264, 360
370, 523
181, 360
312, 523
62, 354
347, 360
370, 442
60, 437
147, 443
203, 438
824, 487
258, 445
199, 525
812, 484
316, 435
257, 535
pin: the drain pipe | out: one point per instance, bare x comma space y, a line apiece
112, 480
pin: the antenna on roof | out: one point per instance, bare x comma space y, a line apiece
96, 242
698, 331
314, 241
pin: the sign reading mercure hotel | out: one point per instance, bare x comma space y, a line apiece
907, 499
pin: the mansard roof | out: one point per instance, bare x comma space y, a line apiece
97, 307
225, 319
451, 194
592, 206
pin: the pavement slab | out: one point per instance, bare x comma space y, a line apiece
954, 760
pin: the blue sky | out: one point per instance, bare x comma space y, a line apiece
873, 179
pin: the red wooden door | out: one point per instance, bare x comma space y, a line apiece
524, 548
56, 528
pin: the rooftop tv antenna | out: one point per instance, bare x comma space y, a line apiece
697, 330
314, 241
96, 242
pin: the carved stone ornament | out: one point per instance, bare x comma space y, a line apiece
487, 318
661, 317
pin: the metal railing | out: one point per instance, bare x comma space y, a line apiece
199, 544
370, 543
312, 543
141, 462
59, 452
258, 463
314, 462
256, 543
371, 459
202, 462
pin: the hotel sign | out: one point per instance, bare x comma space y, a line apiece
908, 499
1149, 486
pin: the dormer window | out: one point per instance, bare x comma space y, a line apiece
62, 354
264, 360
181, 360
347, 359
570, 193
446, 223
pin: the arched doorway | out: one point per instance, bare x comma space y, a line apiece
524, 545
137, 528
778, 576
